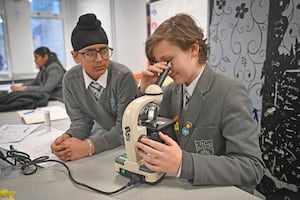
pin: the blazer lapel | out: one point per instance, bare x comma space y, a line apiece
192, 114
177, 106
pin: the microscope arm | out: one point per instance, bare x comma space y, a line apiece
131, 130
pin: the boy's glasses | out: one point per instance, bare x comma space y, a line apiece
91, 55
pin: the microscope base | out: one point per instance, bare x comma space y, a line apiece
128, 169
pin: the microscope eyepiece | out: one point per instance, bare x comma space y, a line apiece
164, 74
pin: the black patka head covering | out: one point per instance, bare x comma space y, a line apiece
88, 31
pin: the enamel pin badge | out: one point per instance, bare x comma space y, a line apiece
186, 129
176, 124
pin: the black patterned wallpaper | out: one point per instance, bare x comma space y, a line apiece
280, 122
258, 43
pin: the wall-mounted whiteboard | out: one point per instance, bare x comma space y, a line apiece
163, 9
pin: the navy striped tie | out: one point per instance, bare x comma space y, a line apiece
96, 88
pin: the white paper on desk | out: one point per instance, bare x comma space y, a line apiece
15, 132
37, 144
6, 87
37, 115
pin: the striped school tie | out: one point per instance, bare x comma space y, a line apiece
96, 88
187, 97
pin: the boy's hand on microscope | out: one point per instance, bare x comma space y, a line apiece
158, 156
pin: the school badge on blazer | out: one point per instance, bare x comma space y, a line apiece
204, 147
176, 124
186, 129
113, 104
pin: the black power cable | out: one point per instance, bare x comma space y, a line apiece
29, 167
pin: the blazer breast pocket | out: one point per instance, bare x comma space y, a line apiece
207, 141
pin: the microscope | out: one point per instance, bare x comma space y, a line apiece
140, 120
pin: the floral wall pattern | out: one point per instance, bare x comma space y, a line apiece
238, 35
258, 43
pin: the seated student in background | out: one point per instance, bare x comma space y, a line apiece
215, 138
96, 93
49, 78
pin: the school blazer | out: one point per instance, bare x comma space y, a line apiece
217, 132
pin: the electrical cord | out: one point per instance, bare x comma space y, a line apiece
28, 167
133, 181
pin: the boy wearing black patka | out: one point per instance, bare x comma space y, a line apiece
96, 93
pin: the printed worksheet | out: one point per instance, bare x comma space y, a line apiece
15, 132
